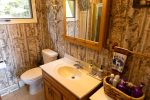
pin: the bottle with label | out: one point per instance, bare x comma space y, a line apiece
116, 80
111, 78
130, 87
122, 86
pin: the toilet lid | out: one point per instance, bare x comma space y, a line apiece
32, 74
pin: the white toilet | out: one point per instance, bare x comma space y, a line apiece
33, 77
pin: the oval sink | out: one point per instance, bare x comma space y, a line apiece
69, 72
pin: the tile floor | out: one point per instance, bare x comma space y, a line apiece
22, 94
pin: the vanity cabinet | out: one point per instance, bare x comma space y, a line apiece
55, 91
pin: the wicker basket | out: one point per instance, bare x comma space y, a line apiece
115, 93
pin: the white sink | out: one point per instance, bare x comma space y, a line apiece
75, 80
69, 72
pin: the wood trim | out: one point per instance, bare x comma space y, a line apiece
17, 21
104, 22
128, 52
64, 9
82, 42
103, 29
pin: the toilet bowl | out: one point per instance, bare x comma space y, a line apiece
33, 77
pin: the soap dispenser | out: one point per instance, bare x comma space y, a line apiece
101, 72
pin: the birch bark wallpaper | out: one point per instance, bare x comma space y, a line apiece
21, 44
20, 48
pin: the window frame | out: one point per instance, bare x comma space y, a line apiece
22, 20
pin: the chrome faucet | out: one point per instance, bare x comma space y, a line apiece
78, 65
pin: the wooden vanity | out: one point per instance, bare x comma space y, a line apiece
55, 91
63, 81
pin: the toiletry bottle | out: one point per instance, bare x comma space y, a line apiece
101, 72
130, 87
122, 86
116, 80
111, 78
137, 91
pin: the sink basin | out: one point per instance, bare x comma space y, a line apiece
69, 72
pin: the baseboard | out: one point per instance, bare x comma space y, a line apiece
11, 88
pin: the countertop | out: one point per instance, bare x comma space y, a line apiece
79, 87
100, 95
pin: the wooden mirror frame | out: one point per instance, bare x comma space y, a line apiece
103, 29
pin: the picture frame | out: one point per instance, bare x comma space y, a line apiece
118, 61
141, 3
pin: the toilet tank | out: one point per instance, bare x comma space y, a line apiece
49, 55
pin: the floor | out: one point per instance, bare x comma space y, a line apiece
22, 94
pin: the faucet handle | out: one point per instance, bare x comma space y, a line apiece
78, 64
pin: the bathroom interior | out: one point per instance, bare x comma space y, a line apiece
69, 50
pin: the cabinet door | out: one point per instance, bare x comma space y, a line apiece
64, 98
48, 91
56, 94
51, 93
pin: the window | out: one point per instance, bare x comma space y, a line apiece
17, 11
70, 8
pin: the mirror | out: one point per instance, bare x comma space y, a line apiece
86, 22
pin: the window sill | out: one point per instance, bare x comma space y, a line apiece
18, 21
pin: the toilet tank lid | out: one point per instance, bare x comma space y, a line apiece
50, 52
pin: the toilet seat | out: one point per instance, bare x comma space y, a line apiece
32, 74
